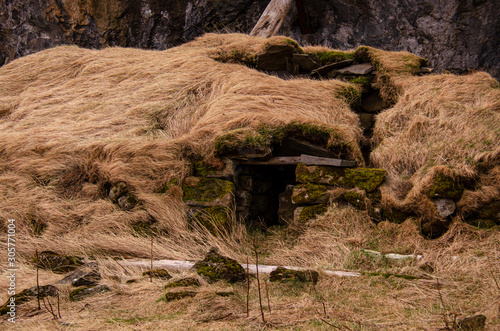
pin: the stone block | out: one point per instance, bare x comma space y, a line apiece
318, 174
303, 194
275, 58
207, 192
357, 69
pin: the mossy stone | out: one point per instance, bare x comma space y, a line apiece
309, 194
184, 282
173, 296
473, 323
367, 179
157, 273
356, 199
318, 174
205, 190
27, 295
213, 218
287, 275
57, 263
217, 267
327, 57
85, 291
304, 214
446, 187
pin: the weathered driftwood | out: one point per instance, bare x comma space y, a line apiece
252, 268
392, 256
272, 18
306, 159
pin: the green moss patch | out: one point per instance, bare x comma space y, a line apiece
213, 218
216, 267
287, 275
309, 194
309, 212
327, 57
318, 174
205, 190
446, 187
351, 94
367, 179
242, 142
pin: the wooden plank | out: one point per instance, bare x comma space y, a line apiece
272, 18
304, 158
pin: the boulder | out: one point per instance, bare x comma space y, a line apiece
445, 207
57, 263
216, 267
287, 275
86, 291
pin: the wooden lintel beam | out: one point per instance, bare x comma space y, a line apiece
306, 159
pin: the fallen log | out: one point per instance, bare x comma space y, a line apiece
252, 268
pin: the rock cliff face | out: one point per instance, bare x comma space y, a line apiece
455, 35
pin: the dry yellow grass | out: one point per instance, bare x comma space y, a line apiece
72, 119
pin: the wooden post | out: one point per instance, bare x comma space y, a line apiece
272, 18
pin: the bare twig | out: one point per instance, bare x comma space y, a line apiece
258, 281
445, 317
151, 266
248, 290
268, 301
336, 327
37, 282
58, 308
324, 308
50, 309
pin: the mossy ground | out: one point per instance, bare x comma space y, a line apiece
367, 179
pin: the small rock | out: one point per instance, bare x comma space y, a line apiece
86, 291
217, 267
306, 64
310, 194
474, 323
157, 273
445, 207
286, 275
127, 201
57, 263
357, 69
86, 275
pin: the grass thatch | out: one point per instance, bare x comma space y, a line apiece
75, 121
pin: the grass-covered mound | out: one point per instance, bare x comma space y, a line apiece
95, 147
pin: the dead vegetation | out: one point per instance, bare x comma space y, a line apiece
74, 123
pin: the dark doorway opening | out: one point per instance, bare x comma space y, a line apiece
258, 188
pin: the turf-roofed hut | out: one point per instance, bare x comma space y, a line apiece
98, 145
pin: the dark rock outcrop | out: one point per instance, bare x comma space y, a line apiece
456, 35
